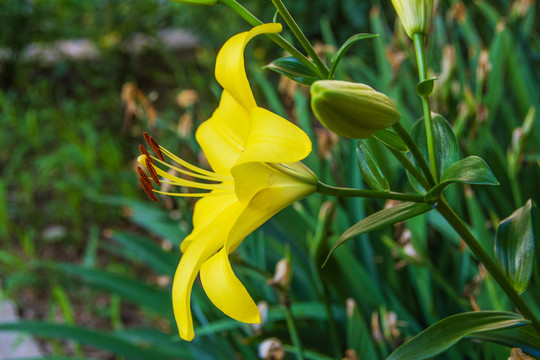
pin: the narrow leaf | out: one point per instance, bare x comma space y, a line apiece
292, 68
381, 219
370, 169
128, 288
523, 337
450, 330
391, 139
143, 249
514, 247
334, 62
99, 340
471, 170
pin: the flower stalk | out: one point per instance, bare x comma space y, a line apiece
422, 73
325, 189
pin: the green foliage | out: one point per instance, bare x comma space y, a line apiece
66, 169
445, 333
514, 247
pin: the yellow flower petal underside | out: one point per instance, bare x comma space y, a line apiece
225, 291
230, 70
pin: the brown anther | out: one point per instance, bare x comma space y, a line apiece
141, 172
147, 187
143, 151
154, 145
157, 150
152, 171
146, 137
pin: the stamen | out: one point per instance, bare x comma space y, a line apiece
152, 170
141, 172
147, 187
195, 168
143, 151
175, 180
213, 177
154, 145
201, 194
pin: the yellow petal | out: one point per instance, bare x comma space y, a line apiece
273, 139
230, 71
208, 242
223, 136
204, 213
226, 291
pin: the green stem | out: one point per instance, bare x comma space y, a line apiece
348, 192
459, 226
422, 73
293, 333
410, 167
278, 39
415, 151
323, 70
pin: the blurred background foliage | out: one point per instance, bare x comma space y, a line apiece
89, 258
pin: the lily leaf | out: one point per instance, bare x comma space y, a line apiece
425, 87
292, 68
514, 247
381, 219
343, 49
371, 173
391, 139
446, 146
523, 337
445, 333
471, 170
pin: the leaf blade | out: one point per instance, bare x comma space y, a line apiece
381, 219
445, 333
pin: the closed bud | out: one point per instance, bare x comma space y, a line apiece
351, 109
415, 15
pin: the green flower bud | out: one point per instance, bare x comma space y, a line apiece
198, 2
351, 109
415, 15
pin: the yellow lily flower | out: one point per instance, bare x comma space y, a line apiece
254, 155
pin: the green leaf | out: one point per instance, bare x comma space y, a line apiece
334, 62
358, 334
471, 170
370, 169
514, 247
391, 139
143, 249
425, 87
450, 330
129, 289
523, 337
99, 340
292, 68
446, 146
381, 219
